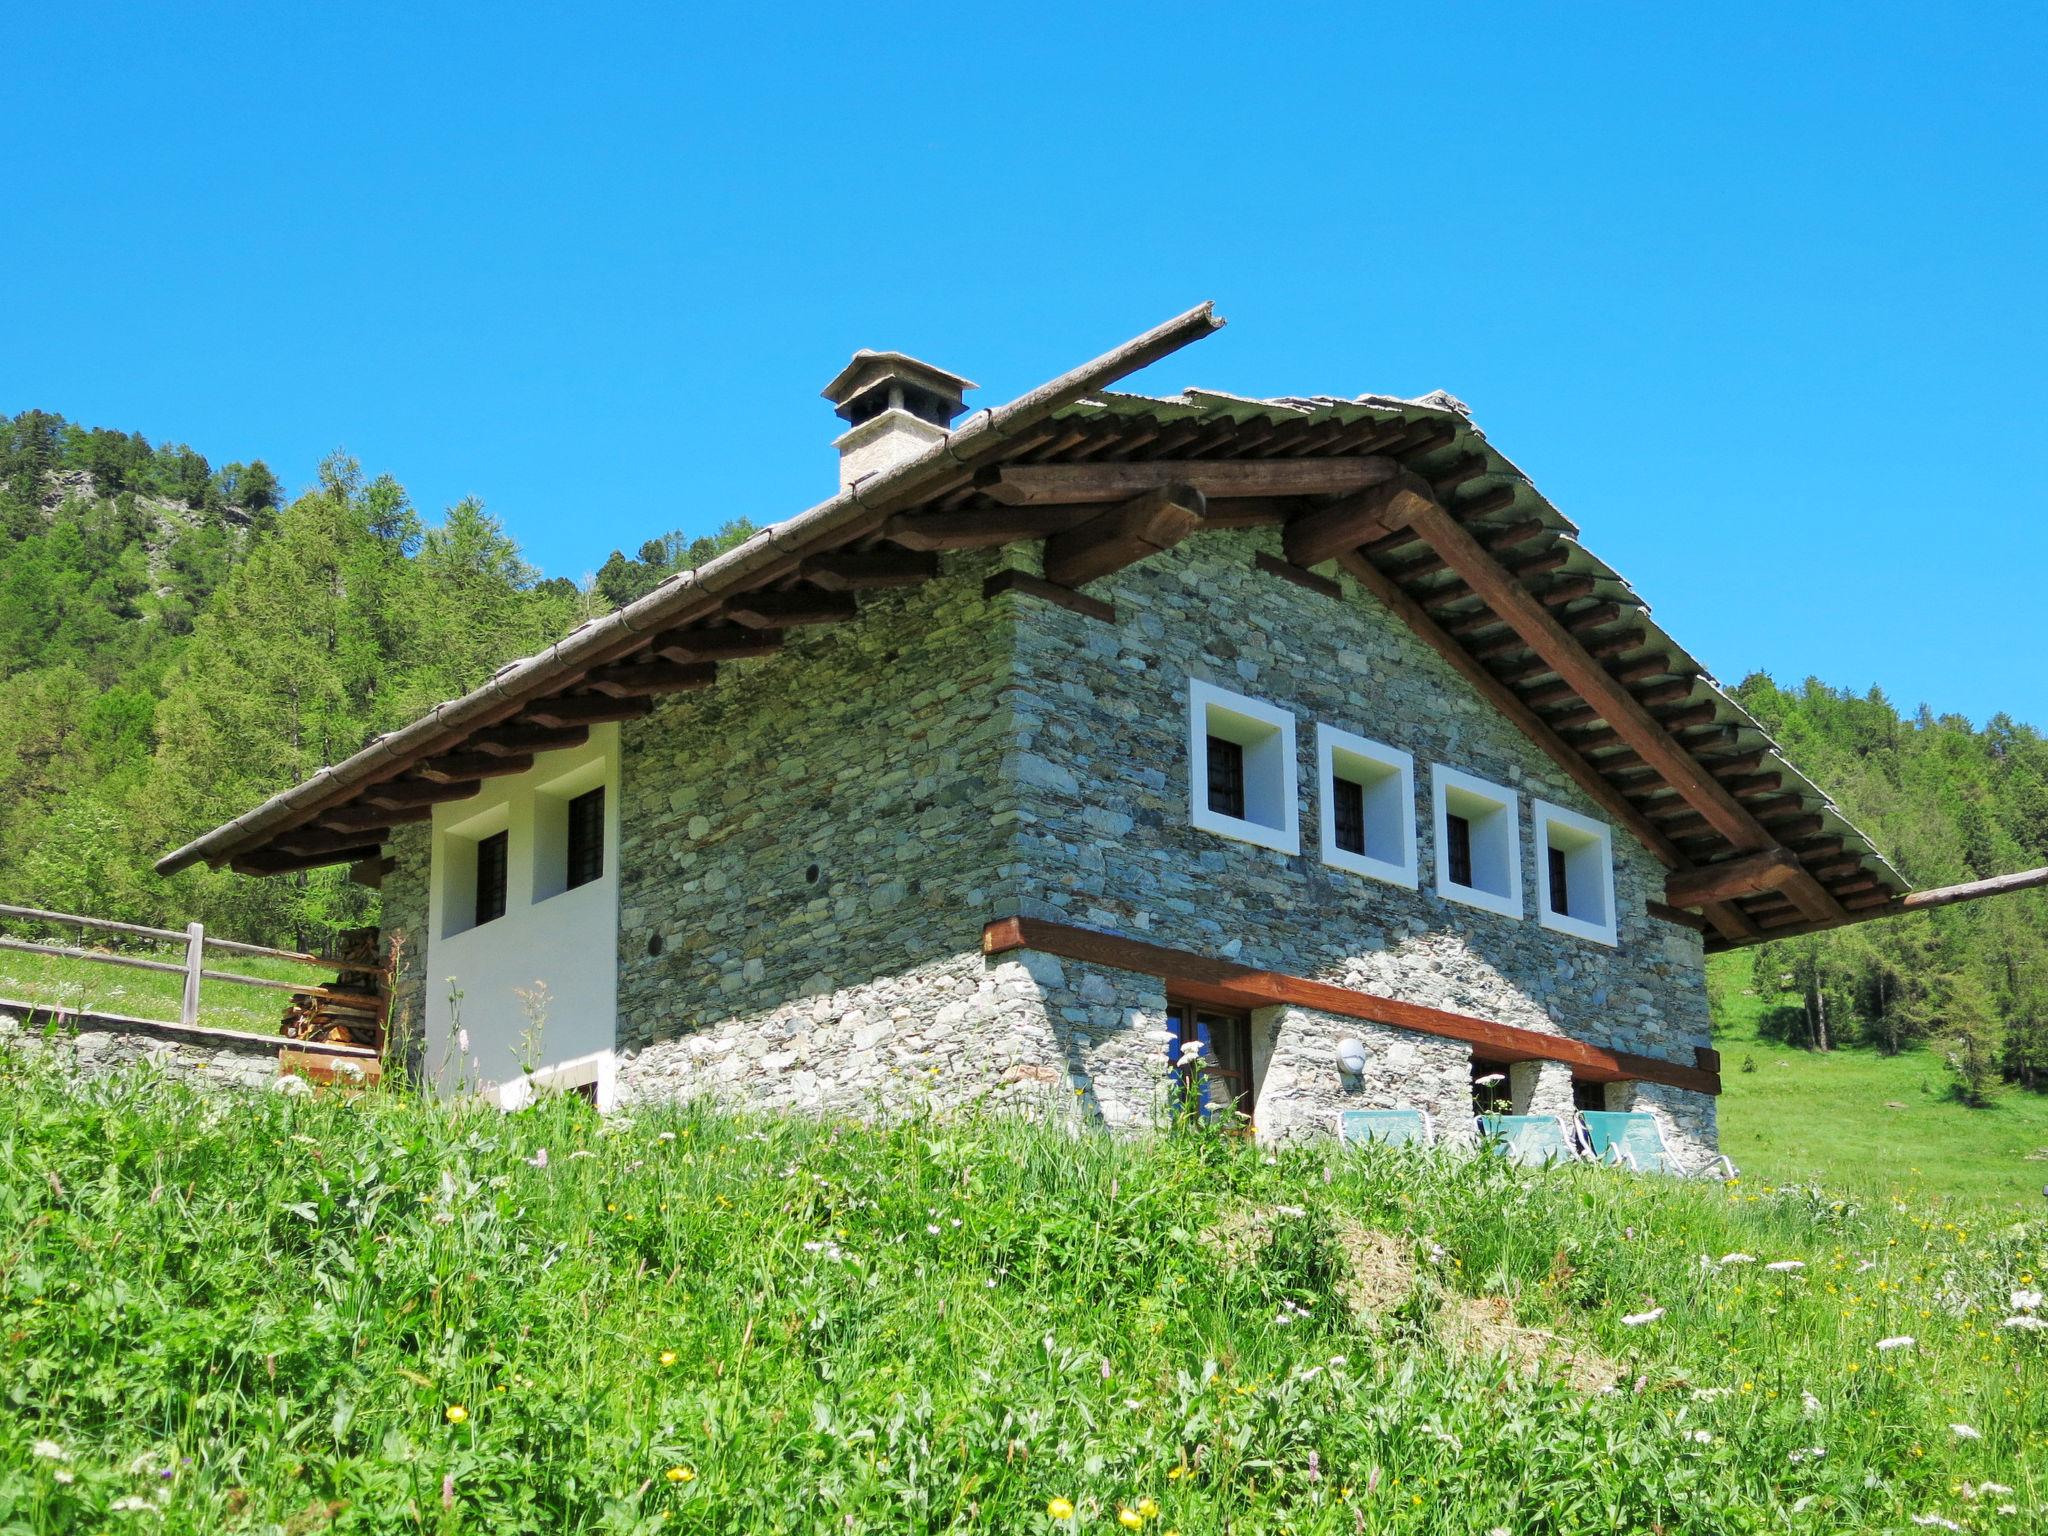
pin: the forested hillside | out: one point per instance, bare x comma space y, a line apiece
177, 642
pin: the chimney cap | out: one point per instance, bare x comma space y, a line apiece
870, 368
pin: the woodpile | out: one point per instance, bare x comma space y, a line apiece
348, 1010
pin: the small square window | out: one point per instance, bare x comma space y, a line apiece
1368, 806
491, 872
1574, 872
585, 855
1478, 842
1242, 769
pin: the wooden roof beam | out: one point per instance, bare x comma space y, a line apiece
1148, 523
520, 740
1750, 875
627, 680
778, 610
302, 840
1560, 646
1040, 484
411, 792
725, 643
846, 571
584, 709
982, 527
1327, 531
268, 861
461, 767
367, 818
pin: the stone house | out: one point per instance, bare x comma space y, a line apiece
1305, 727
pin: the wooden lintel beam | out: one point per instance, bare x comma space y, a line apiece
461, 767
585, 709
1558, 645
1041, 484
1750, 875
626, 680
860, 571
1505, 699
1327, 531
1148, 523
725, 643
779, 610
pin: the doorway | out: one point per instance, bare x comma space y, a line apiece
1217, 1076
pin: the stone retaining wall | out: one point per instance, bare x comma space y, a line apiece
205, 1058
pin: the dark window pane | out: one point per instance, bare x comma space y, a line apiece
1217, 1074
1347, 805
1587, 1095
1226, 778
1458, 848
586, 839
1560, 899
490, 877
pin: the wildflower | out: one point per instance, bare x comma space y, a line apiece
48, 1450
681, 1474
1129, 1518
457, 1413
539, 1159
134, 1503
1637, 1319
1964, 1432
1786, 1266
2026, 1301
1490, 1079
668, 1357
1809, 1405
64, 1475
1060, 1509
1808, 1453
1936, 1520
1896, 1341
448, 1490
1149, 1507
2027, 1320
1700, 1437
666, 1136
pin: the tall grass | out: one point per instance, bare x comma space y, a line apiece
372, 1314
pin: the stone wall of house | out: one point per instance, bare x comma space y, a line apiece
816, 832
202, 1057
1105, 838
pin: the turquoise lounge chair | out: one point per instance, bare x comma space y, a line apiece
1530, 1141
1388, 1127
1635, 1140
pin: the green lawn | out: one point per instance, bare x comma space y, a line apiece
87, 986
1803, 1115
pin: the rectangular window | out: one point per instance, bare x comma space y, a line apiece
1588, 1095
1347, 810
490, 877
1575, 873
1226, 778
1560, 883
586, 839
1211, 1061
1458, 848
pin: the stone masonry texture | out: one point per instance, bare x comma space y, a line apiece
809, 853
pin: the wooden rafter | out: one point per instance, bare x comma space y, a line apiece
627, 680
1327, 531
1150, 522
585, 709
521, 740
1750, 875
1027, 484
411, 792
851, 571
460, 767
725, 643
778, 610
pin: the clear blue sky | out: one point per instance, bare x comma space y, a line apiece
1754, 293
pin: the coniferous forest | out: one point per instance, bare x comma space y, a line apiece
179, 641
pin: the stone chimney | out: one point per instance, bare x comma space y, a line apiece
895, 407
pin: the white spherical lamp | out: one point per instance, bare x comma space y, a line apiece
1351, 1057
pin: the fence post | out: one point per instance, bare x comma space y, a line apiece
195, 957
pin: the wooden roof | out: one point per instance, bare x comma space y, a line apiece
1407, 496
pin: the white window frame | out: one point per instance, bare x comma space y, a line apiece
599, 1069
1601, 845
1276, 762
1390, 794
1504, 821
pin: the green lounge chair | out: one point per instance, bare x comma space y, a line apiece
1635, 1140
1388, 1127
1529, 1141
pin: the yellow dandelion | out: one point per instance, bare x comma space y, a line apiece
681, 1474
1129, 1518
1060, 1509
1149, 1507
668, 1357
457, 1413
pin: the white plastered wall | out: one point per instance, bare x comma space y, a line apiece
563, 940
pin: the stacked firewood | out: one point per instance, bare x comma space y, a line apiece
348, 1010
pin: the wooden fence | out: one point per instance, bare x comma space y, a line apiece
197, 941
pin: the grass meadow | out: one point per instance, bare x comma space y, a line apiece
301, 1315
73, 984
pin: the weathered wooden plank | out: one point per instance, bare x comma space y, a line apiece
1203, 978
1123, 535
1750, 875
410, 792
1060, 597
724, 643
325, 840
1323, 533
461, 767
585, 709
781, 610
523, 740
848, 571
983, 527
626, 680
1273, 565
1026, 484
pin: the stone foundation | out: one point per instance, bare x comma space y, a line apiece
204, 1058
